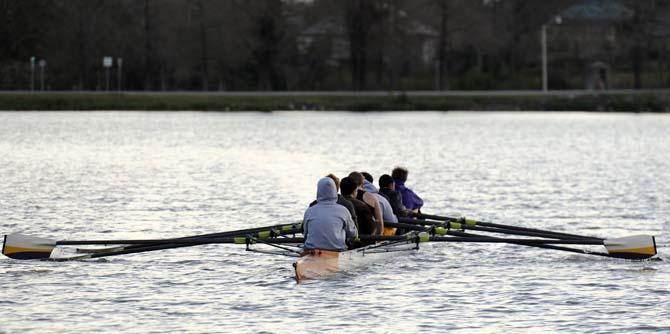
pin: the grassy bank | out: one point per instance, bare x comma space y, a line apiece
646, 102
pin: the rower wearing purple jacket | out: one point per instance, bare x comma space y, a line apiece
411, 200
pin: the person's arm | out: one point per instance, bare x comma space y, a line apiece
402, 210
352, 210
418, 200
350, 227
374, 203
304, 226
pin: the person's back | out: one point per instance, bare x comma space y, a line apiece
365, 213
387, 210
327, 224
369, 199
411, 200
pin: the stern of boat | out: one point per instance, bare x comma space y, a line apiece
316, 264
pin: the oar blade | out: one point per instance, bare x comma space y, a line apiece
25, 247
636, 247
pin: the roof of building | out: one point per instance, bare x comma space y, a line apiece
331, 25
334, 25
598, 10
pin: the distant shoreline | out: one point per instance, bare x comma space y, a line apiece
573, 100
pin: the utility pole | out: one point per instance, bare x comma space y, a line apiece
545, 81
148, 47
543, 32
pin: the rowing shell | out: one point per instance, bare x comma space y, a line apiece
324, 263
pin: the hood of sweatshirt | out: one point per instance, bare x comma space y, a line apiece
325, 191
369, 187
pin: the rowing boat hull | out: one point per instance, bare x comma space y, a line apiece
320, 263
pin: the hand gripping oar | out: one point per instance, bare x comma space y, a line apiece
25, 247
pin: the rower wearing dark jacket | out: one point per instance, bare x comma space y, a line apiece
387, 210
387, 188
366, 221
327, 225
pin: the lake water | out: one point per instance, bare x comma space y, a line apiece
72, 175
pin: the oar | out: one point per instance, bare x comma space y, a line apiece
20, 246
635, 247
610, 244
552, 242
422, 237
25, 247
182, 243
462, 226
471, 222
261, 232
473, 238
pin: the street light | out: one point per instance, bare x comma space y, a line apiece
43, 65
119, 72
107, 63
545, 81
32, 74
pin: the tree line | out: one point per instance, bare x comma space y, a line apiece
211, 45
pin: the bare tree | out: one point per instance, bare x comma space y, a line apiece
639, 33
361, 17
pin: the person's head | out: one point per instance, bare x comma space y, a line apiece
325, 190
348, 187
357, 178
399, 174
368, 177
386, 181
337, 181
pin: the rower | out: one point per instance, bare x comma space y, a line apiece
327, 225
387, 188
411, 200
387, 210
340, 199
370, 200
368, 179
366, 221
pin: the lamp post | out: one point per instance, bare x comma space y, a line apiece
119, 72
32, 74
545, 79
107, 63
43, 65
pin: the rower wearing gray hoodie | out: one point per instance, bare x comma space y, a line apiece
327, 225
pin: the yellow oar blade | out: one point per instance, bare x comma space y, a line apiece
25, 247
635, 247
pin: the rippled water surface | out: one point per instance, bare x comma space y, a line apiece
145, 175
